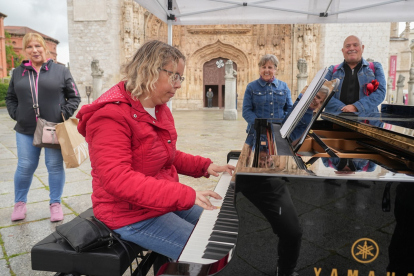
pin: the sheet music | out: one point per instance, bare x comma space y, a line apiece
303, 104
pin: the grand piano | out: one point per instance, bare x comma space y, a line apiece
347, 174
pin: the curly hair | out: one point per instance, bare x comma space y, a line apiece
142, 71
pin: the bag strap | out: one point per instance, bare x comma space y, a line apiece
115, 235
335, 68
371, 65
34, 94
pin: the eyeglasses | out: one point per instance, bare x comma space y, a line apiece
177, 77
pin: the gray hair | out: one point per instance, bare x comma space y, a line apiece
324, 90
268, 57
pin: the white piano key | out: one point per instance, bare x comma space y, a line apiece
194, 249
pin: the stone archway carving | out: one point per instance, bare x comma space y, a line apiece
194, 68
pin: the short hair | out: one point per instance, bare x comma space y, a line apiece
268, 57
360, 41
324, 90
142, 71
34, 36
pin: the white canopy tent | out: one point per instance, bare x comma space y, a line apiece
212, 12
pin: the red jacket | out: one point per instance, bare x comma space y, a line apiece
134, 160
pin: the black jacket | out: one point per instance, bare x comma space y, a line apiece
57, 93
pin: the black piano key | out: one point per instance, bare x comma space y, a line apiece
213, 256
216, 251
223, 237
226, 228
227, 208
229, 216
219, 246
229, 222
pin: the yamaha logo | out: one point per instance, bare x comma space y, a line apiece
365, 250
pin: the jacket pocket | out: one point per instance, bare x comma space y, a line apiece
259, 97
280, 97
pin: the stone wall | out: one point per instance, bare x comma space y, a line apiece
97, 37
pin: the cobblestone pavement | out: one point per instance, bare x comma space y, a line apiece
201, 132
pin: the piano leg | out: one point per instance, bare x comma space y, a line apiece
271, 196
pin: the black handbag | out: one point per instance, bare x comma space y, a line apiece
86, 234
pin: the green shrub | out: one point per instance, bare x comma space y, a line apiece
3, 92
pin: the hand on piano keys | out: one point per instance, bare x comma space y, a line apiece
213, 169
204, 202
215, 234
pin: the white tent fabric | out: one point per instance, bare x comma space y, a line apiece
213, 12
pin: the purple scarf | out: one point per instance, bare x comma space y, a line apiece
268, 81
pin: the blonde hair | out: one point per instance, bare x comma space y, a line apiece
267, 58
34, 36
142, 72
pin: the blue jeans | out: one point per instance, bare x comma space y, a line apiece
28, 159
166, 234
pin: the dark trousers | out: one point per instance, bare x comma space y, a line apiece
401, 249
272, 198
210, 102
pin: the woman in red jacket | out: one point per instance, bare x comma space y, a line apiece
135, 165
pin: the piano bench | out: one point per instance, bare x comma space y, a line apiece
54, 254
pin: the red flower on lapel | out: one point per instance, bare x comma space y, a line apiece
371, 87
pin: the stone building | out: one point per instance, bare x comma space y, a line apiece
3, 62
402, 56
17, 33
111, 30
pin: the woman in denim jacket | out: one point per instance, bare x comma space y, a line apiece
266, 97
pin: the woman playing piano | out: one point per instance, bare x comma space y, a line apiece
135, 164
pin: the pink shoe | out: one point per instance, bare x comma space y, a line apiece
19, 211
56, 213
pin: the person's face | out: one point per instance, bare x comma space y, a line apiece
317, 100
267, 71
352, 50
345, 170
35, 52
164, 91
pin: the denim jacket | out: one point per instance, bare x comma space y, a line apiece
365, 75
265, 100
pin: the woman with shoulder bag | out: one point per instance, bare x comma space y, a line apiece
39, 87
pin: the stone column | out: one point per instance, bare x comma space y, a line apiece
411, 86
400, 85
230, 112
389, 90
97, 74
303, 74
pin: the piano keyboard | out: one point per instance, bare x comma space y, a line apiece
215, 234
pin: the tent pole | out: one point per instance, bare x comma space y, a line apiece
169, 41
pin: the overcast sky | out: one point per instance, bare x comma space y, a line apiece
46, 16
50, 18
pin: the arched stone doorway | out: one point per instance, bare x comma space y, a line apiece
213, 76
